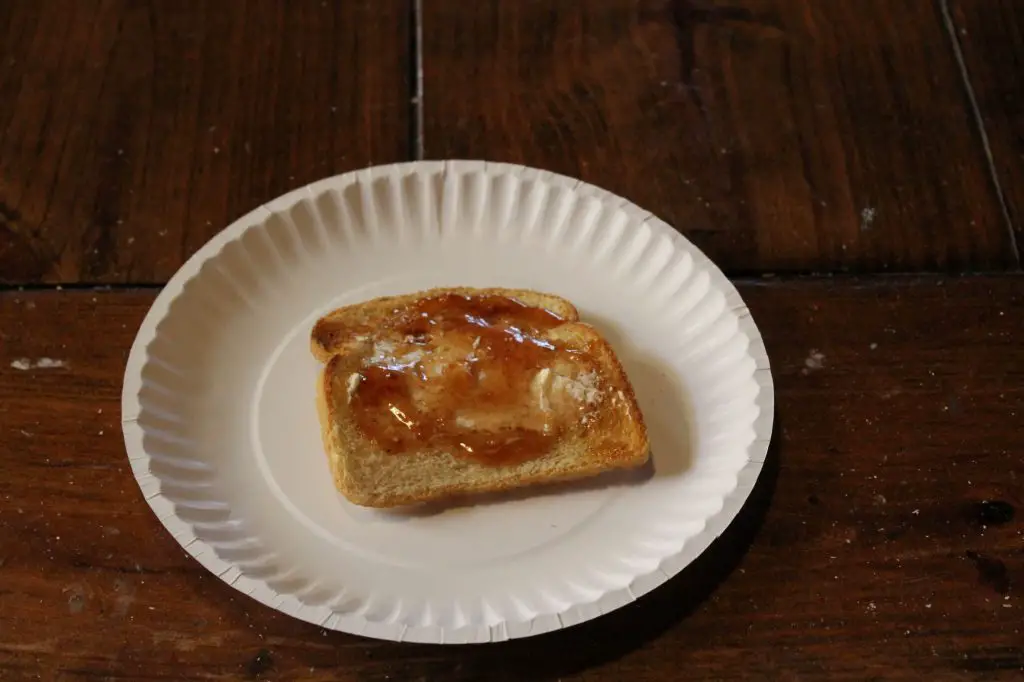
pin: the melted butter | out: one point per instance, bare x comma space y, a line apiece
472, 375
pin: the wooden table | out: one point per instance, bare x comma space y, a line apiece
855, 165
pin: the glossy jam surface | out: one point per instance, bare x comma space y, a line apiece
473, 375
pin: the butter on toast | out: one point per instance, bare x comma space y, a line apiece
451, 392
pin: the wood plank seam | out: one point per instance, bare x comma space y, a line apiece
739, 278
416, 119
965, 77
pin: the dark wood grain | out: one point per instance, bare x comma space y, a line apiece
883, 540
776, 134
130, 132
991, 37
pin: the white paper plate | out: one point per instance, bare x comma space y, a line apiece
220, 425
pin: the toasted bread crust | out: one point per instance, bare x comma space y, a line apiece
324, 400
368, 477
334, 332
366, 498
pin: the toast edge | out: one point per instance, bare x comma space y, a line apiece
467, 491
320, 341
622, 378
323, 402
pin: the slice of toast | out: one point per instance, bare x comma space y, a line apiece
452, 392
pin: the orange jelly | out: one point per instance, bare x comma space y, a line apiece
465, 374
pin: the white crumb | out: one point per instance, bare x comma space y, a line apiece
815, 360
42, 363
867, 217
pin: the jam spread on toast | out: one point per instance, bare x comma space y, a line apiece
476, 375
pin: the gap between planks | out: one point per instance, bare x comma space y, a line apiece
965, 78
416, 142
739, 278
